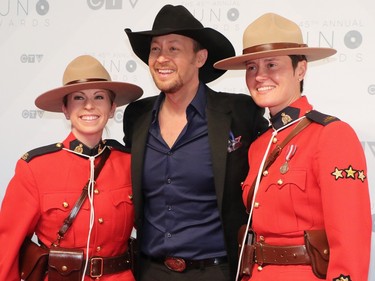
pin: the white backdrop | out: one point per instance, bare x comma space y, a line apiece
39, 37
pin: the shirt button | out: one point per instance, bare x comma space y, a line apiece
169, 180
169, 208
168, 235
98, 249
100, 220
170, 153
280, 182
65, 204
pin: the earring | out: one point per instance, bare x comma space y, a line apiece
300, 79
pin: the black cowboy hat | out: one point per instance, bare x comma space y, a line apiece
178, 20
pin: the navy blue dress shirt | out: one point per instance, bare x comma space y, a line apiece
181, 217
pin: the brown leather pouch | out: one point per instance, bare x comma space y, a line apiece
32, 261
65, 264
318, 249
247, 261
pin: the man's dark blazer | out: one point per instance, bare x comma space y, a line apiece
236, 113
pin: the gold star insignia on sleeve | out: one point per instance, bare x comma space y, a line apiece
361, 175
342, 278
337, 173
350, 173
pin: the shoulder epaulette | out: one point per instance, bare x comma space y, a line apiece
28, 156
116, 145
321, 118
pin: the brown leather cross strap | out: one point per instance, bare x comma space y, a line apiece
73, 213
274, 154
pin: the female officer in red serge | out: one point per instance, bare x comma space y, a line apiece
319, 179
49, 180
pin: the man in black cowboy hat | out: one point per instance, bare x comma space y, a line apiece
189, 153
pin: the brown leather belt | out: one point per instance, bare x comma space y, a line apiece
179, 264
99, 266
269, 254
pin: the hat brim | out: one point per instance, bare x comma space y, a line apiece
218, 46
239, 62
53, 100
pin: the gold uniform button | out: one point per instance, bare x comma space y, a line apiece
260, 268
274, 140
96, 191
98, 249
265, 172
261, 238
65, 204
256, 205
100, 220
130, 196
280, 182
241, 183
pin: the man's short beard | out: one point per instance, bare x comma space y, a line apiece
171, 87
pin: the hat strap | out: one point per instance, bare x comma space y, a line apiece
272, 46
86, 80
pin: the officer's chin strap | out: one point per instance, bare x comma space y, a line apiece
90, 196
274, 133
257, 183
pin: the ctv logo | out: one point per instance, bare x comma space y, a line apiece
32, 114
31, 58
108, 4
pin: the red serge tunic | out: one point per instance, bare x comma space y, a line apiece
44, 190
325, 187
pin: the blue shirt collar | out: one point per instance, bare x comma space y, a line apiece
199, 102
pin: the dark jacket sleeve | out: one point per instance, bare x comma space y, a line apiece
132, 114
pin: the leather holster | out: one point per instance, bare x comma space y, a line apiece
318, 249
247, 261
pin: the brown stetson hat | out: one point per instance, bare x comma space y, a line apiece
178, 20
272, 35
86, 72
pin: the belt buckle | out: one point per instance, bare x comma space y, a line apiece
175, 264
100, 260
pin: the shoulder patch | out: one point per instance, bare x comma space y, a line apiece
28, 156
116, 145
321, 118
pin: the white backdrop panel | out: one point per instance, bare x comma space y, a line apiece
39, 37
